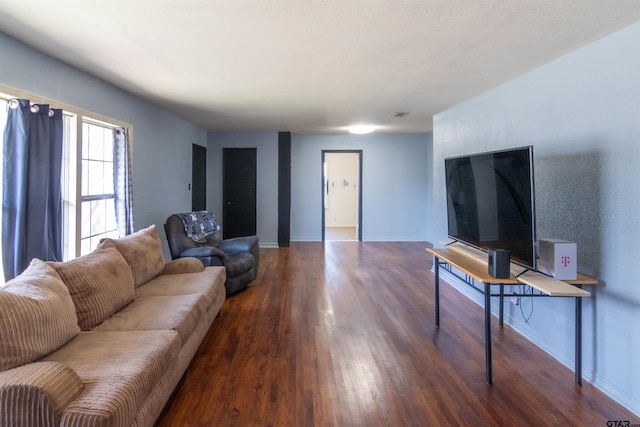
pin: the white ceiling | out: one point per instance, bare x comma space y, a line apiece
310, 66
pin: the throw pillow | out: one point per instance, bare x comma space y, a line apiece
37, 316
100, 283
143, 252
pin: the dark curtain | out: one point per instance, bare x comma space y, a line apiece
31, 193
122, 177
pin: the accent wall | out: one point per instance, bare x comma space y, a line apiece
581, 113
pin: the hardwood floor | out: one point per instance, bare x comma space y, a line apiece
340, 233
343, 334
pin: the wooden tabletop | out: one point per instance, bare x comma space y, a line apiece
473, 264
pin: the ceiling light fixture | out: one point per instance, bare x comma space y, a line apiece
361, 129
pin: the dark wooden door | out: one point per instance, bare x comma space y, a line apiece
198, 178
239, 192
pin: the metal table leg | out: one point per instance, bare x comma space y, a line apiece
437, 268
578, 351
501, 314
487, 331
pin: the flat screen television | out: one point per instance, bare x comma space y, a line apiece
490, 202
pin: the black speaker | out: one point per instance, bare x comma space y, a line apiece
499, 263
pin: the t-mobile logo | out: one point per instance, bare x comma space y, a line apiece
566, 260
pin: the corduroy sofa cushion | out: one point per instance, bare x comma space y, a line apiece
37, 316
180, 313
209, 283
118, 370
143, 252
100, 283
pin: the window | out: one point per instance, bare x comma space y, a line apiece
87, 175
96, 190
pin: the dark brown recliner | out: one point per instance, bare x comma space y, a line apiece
239, 255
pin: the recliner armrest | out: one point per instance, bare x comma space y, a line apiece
203, 252
238, 245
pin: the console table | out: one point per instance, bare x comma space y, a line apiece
473, 264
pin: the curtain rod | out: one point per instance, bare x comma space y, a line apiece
35, 108
8, 92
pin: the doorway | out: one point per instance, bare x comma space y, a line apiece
342, 195
239, 192
198, 178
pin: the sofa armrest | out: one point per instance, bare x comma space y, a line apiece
37, 391
203, 252
238, 245
183, 265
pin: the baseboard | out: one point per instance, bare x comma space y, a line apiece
393, 239
632, 403
365, 239
268, 245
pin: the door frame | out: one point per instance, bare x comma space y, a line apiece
225, 201
322, 188
198, 152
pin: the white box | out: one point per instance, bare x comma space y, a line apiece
558, 258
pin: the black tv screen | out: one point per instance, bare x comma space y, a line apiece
490, 202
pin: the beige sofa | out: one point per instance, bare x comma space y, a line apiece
104, 339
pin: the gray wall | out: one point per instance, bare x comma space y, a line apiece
396, 183
161, 141
582, 115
